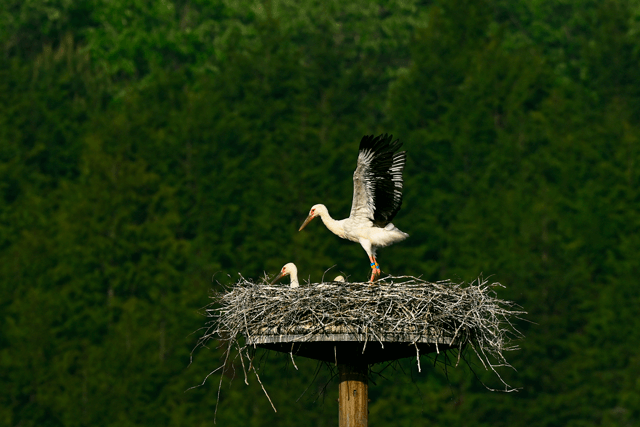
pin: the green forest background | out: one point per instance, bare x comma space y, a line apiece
146, 146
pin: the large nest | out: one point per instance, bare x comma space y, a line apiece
467, 315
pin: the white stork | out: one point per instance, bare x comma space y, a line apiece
377, 197
288, 269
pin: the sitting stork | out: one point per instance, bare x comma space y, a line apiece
377, 197
288, 269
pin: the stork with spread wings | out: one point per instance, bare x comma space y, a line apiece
377, 197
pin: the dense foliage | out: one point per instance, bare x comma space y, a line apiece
148, 146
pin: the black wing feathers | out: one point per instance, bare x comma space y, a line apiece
385, 175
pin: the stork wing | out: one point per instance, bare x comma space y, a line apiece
377, 180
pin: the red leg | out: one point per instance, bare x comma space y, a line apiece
375, 269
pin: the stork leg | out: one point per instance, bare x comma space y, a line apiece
375, 268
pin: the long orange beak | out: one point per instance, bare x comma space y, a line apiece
306, 221
278, 277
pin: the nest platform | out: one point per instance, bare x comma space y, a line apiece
354, 325
341, 347
359, 322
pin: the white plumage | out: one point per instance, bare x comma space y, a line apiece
288, 269
291, 270
377, 197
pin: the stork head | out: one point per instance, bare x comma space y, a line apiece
316, 210
287, 269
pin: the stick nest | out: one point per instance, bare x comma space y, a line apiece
469, 314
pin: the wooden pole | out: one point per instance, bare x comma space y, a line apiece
354, 395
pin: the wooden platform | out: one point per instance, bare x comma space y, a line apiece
339, 347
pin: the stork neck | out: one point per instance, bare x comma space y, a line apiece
333, 225
294, 281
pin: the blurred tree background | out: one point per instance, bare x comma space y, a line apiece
147, 146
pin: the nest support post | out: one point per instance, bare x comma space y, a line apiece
353, 400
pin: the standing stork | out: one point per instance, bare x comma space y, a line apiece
377, 197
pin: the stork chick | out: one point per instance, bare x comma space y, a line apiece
288, 269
